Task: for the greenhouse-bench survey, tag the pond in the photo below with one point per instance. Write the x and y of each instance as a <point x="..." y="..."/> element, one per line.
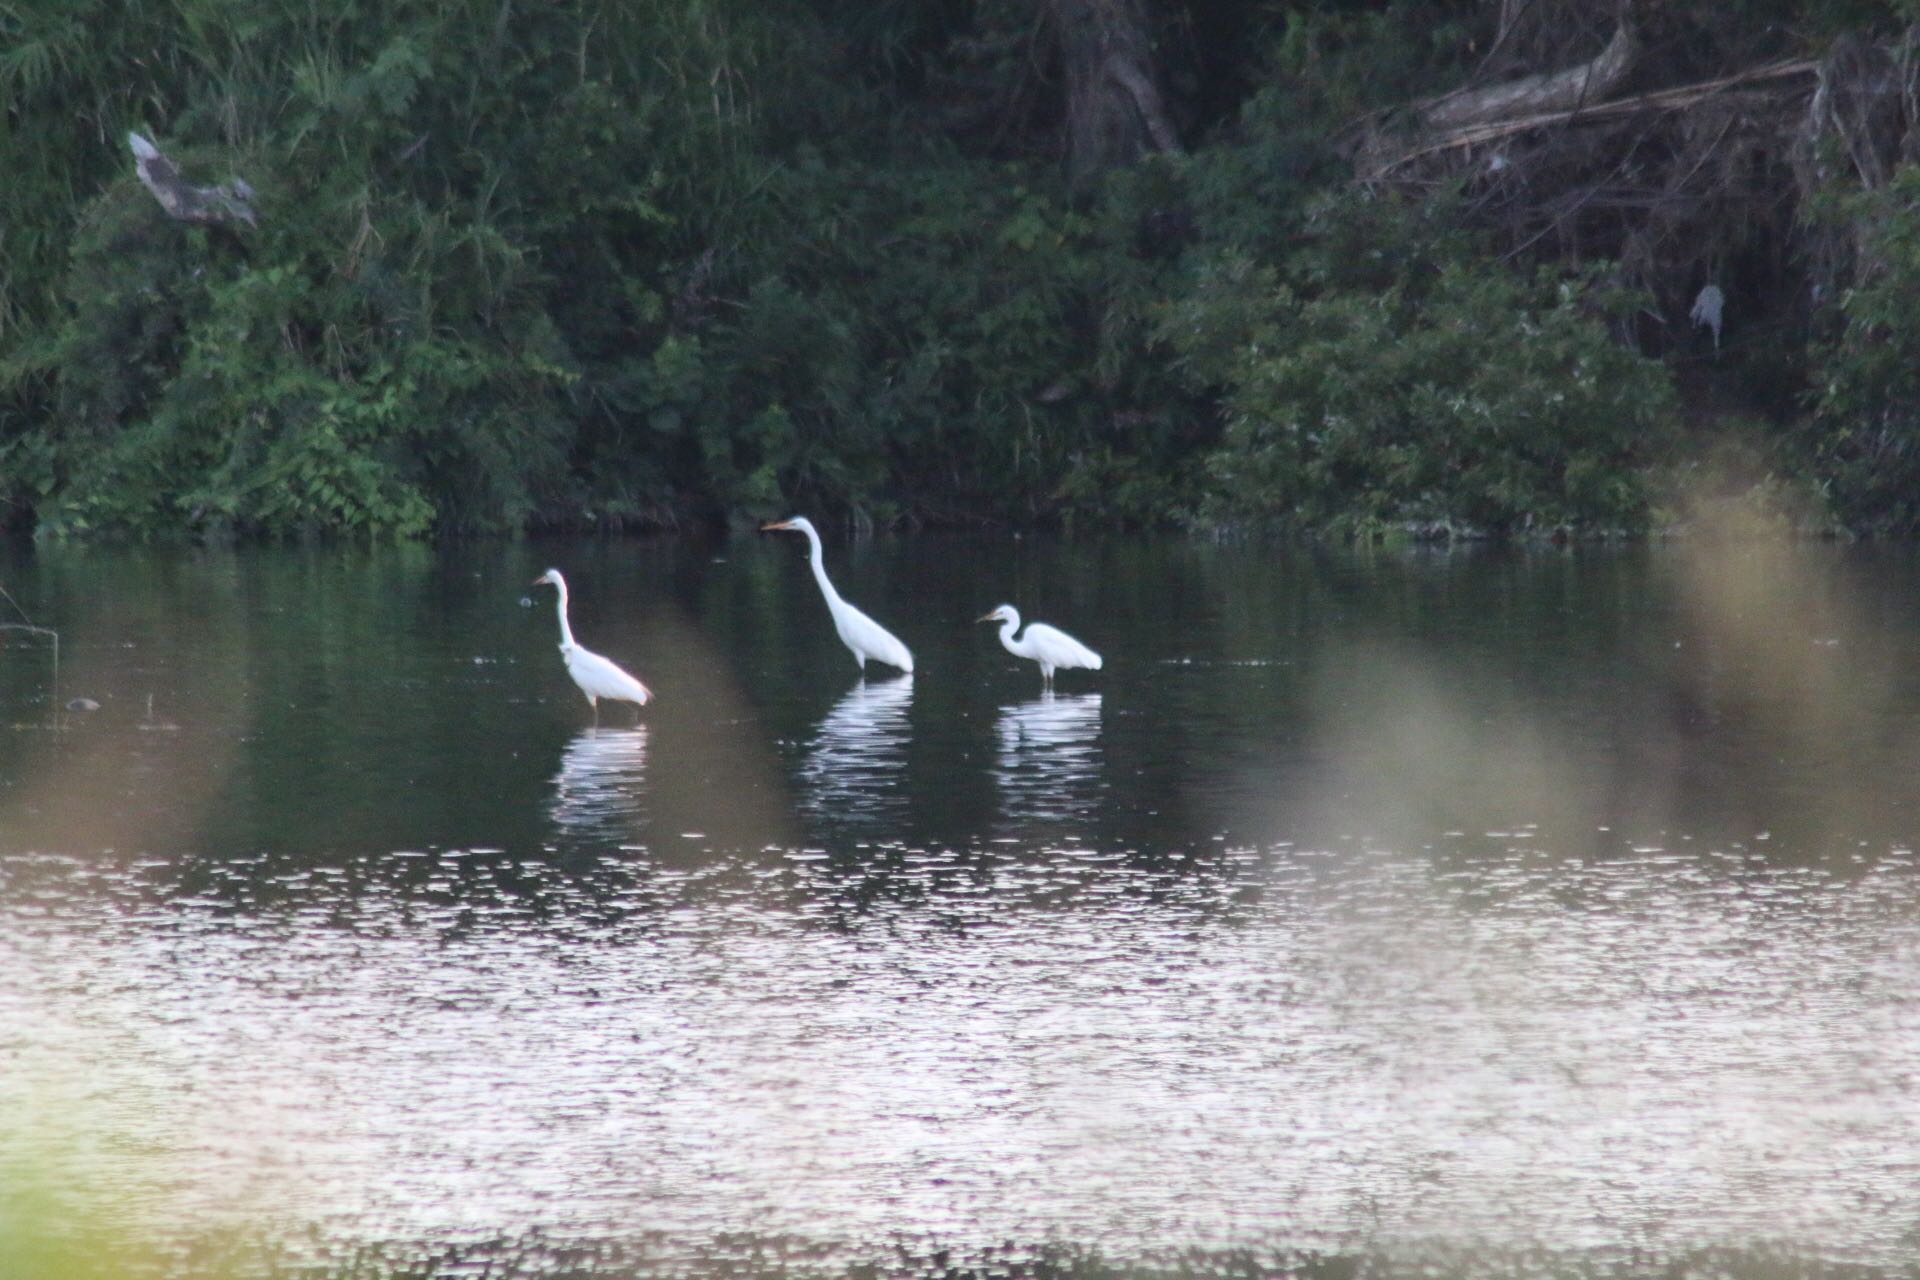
<point x="1515" y="910"/>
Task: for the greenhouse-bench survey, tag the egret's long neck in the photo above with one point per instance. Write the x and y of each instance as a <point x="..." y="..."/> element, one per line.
<point x="820" y="566"/>
<point x="1007" y="627"/>
<point x="560" y="606"/>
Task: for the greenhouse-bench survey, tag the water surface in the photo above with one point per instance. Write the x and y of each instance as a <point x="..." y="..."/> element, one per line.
<point x="1518" y="909"/>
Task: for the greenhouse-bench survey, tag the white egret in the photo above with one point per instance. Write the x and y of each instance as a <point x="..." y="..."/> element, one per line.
<point x="1049" y="646"/>
<point x="867" y="638"/>
<point x="597" y="677"/>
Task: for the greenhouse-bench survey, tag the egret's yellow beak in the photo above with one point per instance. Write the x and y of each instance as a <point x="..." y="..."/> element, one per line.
<point x="538" y="581"/>
<point x="777" y="524"/>
<point x="991" y="617"/>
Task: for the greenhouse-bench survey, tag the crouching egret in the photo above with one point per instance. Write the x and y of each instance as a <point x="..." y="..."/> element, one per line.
<point x="1049" y="646"/>
<point x="597" y="677"/>
<point x="867" y="638"/>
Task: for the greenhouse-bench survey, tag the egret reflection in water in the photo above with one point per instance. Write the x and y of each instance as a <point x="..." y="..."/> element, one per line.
<point x="1049" y="765"/>
<point x="600" y="790"/>
<point x="857" y="761"/>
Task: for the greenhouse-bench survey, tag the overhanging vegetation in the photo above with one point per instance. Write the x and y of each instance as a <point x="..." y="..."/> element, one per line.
<point x="1352" y="267"/>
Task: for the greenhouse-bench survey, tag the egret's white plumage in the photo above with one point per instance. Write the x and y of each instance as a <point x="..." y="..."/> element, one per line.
<point x="867" y="638"/>
<point x="597" y="676"/>
<point x="1049" y="646"/>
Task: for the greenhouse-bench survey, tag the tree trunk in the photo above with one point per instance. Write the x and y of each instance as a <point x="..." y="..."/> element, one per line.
<point x="1115" y="113"/>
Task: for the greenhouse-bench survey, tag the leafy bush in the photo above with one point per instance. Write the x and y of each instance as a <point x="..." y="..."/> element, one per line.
<point x="986" y="362"/>
<point x="581" y="264"/>
<point x="1865" y="437"/>
<point x="1388" y="374"/>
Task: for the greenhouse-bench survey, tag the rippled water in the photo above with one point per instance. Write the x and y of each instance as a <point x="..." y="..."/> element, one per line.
<point x="1485" y="911"/>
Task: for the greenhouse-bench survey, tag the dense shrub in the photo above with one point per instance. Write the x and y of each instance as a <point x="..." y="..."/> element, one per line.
<point x="592" y="264"/>
<point x="1865" y="434"/>
<point x="467" y="226"/>
<point x="1385" y="374"/>
<point x="221" y="393"/>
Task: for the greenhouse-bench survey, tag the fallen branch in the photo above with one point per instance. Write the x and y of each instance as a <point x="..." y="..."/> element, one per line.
<point x="1659" y="100"/>
<point x="1567" y="89"/>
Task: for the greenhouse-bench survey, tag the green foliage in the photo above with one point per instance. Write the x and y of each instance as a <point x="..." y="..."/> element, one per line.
<point x="391" y="351"/>
<point x="1387" y="374"/>
<point x="987" y="356"/>
<point x="588" y="263"/>
<point x="1865" y="437"/>
<point x="362" y="364"/>
<point x="985" y="362"/>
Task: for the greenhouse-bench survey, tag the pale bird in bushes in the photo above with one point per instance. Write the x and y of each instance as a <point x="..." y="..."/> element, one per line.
<point x="208" y="205"/>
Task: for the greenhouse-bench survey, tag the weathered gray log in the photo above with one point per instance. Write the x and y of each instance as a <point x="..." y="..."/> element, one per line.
<point x="221" y="205"/>
<point x="1679" y="98"/>
<point x="1552" y="91"/>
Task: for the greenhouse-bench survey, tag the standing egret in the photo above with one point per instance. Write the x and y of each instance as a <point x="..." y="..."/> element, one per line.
<point x="1048" y="646"/>
<point x="867" y="638"/>
<point x="597" y="677"/>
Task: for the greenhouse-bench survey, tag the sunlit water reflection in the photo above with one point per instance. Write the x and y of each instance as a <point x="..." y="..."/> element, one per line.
<point x="598" y="793"/>
<point x="1048" y="768"/>
<point x="1479" y="914"/>
<point x="854" y="775"/>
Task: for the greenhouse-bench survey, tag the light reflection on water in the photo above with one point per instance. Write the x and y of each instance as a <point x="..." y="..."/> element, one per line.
<point x="1406" y="913"/>
<point x="854" y="775"/>
<point x="1049" y="767"/>
<point x="1321" y="1051"/>
<point x="599" y="792"/>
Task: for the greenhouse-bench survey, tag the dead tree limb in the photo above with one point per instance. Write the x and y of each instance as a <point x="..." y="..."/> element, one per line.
<point x="1660" y="100"/>
<point x="1563" y="90"/>
<point x="1862" y="100"/>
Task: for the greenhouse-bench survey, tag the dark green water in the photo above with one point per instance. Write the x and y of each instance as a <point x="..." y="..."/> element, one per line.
<point x="1394" y="911"/>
